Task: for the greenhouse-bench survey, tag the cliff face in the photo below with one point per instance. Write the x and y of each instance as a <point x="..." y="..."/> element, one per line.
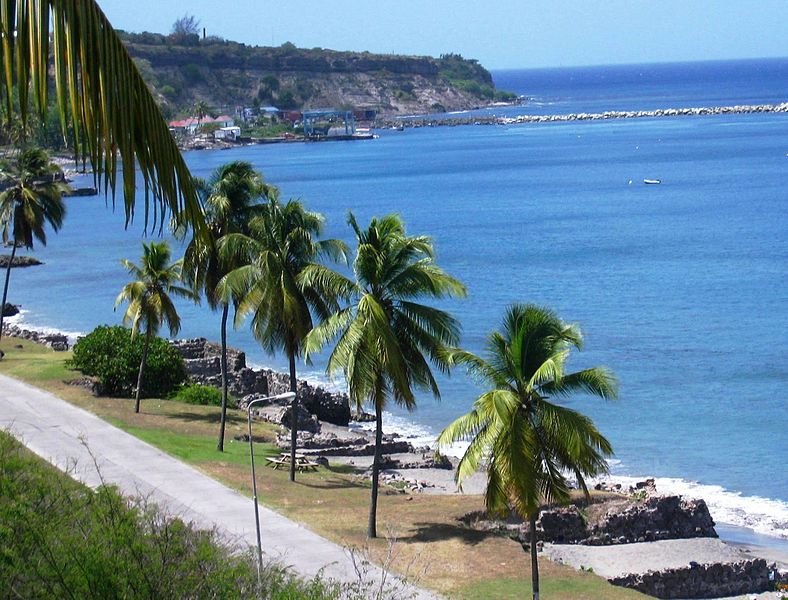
<point x="228" y="74"/>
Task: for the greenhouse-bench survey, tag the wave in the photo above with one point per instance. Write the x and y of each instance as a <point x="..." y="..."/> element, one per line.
<point x="21" y="320"/>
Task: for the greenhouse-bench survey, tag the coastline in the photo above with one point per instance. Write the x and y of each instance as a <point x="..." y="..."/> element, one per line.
<point x="744" y="526"/>
<point x="609" y="561"/>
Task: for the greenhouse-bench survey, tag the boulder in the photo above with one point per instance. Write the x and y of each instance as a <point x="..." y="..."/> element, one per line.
<point x="19" y="261"/>
<point x="306" y="421"/>
<point x="654" y="518"/>
<point x="9" y="310"/>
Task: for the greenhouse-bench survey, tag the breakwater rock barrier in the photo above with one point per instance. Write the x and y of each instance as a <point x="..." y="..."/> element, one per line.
<point x="433" y="121"/>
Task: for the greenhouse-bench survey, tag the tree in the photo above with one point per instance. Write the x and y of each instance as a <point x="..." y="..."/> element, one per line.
<point x="528" y="442"/>
<point x="186" y="25"/>
<point x="284" y="286"/>
<point x="33" y="199"/>
<point x="148" y="295"/>
<point x="385" y="339"/>
<point x="200" y="111"/>
<point x="231" y="197"/>
<point x="100" y="93"/>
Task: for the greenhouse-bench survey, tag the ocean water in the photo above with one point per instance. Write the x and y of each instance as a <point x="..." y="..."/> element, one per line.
<point x="680" y="288"/>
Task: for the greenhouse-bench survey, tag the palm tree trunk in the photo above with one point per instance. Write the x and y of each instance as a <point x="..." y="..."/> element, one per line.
<point x="5" y="287"/>
<point x="293" y="416"/>
<point x="534" y="558"/>
<point x="223" y="417"/>
<point x="142" y="369"/>
<point x="372" y="528"/>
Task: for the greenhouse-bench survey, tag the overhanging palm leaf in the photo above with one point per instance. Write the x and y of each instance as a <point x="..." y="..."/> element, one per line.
<point x="529" y="444"/>
<point x="101" y="94"/>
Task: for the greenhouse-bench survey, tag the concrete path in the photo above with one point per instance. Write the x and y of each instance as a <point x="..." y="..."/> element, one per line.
<point x="84" y="445"/>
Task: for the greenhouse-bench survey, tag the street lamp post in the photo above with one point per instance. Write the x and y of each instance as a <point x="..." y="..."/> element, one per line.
<point x="286" y="396"/>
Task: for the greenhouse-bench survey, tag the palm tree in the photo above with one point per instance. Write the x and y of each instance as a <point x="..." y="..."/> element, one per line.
<point x="230" y="202"/>
<point x="200" y="111"/>
<point x="387" y="340"/>
<point x="150" y="304"/>
<point x="529" y="443"/>
<point x="32" y="201"/>
<point x="100" y="93"/>
<point x="284" y="286"/>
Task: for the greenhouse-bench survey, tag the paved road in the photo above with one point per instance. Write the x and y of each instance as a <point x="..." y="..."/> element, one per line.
<point x="78" y="442"/>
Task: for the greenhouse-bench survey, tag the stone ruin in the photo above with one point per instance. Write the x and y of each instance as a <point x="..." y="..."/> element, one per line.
<point x="203" y="364"/>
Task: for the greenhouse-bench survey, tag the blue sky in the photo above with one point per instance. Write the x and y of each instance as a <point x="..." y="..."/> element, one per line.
<point x="499" y="33"/>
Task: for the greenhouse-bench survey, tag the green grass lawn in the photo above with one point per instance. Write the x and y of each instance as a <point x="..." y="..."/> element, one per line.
<point x="460" y="563"/>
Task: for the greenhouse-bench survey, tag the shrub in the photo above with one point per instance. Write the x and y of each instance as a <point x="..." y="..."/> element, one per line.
<point x="194" y="393"/>
<point x="112" y="355"/>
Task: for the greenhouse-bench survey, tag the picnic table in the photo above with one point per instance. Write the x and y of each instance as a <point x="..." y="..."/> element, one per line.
<point x="302" y="462"/>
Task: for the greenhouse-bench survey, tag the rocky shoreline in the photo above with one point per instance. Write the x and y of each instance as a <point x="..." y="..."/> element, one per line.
<point x="663" y="545"/>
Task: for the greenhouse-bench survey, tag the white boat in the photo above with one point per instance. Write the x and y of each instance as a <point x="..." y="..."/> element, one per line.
<point x="652" y="181"/>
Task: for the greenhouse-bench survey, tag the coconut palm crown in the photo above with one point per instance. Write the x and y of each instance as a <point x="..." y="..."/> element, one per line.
<point x="528" y="443"/>
<point x="285" y="287"/>
<point x="386" y="339"/>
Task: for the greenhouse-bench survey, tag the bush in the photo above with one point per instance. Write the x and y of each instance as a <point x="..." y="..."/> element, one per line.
<point x="111" y="354"/>
<point x="194" y="393"/>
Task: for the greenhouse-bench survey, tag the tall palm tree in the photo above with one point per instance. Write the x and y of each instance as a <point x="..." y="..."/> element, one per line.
<point x="28" y="204"/>
<point x="528" y="442"/>
<point x="285" y="287"/>
<point x="231" y="199"/>
<point x="100" y="93"/>
<point x="386" y="340"/>
<point x="150" y="304"/>
<point x="200" y="111"/>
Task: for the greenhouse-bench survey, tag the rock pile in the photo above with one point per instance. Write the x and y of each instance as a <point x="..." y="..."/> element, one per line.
<point x="615" y="521"/>
<point x="202" y="360"/>
<point x="703" y="581"/>
<point x="655" y="518"/>
<point x="19" y="261"/>
<point x="57" y="341"/>
<point x="9" y="310"/>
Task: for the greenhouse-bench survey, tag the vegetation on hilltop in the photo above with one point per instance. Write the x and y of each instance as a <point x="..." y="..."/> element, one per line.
<point x="184" y="68"/>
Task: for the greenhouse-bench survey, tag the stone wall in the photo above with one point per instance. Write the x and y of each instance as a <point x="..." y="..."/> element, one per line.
<point x="702" y="581"/>
<point x="202" y="360"/>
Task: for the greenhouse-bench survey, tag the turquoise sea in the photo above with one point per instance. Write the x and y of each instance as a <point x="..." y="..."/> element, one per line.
<point x="681" y="288"/>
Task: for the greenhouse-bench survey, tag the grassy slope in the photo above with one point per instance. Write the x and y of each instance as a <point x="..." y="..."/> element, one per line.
<point x="460" y="563"/>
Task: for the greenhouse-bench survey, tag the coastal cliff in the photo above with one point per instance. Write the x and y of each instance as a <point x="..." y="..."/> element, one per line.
<point x="224" y="73"/>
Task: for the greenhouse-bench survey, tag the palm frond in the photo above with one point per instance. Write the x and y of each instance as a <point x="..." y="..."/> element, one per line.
<point x="101" y="93"/>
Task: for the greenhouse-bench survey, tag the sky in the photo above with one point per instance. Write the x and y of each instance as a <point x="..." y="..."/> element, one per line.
<point x="501" y="34"/>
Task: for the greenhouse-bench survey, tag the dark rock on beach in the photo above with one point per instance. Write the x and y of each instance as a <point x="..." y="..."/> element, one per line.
<point x="19" y="261"/>
<point x="9" y="310"/>
<point x="56" y="341"/>
<point x="713" y="580"/>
